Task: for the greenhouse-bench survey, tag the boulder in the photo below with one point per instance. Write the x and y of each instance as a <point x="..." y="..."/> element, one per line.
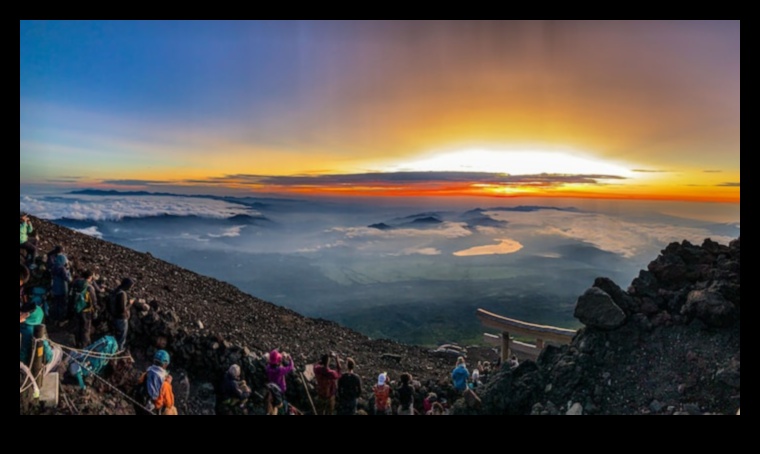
<point x="596" y="309"/>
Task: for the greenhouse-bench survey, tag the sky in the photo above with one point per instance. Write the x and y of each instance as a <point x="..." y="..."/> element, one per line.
<point x="643" y="110"/>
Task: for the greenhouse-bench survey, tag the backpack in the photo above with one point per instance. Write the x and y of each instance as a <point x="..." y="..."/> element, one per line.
<point x="112" y="305"/>
<point x="81" y="296"/>
<point x="382" y="394"/>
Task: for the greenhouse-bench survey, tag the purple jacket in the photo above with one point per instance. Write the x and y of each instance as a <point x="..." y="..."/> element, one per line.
<point x="276" y="374"/>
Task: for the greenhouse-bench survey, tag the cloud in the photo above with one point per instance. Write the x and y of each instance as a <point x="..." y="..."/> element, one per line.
<point x="91" y="231"/>
<point x="505" y="246"/>
<point x="712" y="171"/>
<point x="135" y="182"/>
<point x="116" y="208"/>
<point x="729" y="184"/>
<point x="606" y="232"/>
<point x="417" y="251"/>
<point x="649" y="171"/>
<point x="444" y="230"/>
<point x="339" y="243"/>
<point x="228" y="233"/>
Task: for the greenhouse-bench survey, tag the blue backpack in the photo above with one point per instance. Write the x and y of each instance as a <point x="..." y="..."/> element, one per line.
<point x="85" y="363"/>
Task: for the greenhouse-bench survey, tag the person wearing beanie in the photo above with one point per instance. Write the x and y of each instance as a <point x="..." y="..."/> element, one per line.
<point x="157" y="384"/>
<point x="382" y="392"/>
<point x="235" y="389"/>
<point x="277" y="371"/>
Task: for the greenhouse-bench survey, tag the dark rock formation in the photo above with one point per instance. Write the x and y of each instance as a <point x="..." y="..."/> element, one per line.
<point x="596" y="308"/>
<point x="677" y="353"/>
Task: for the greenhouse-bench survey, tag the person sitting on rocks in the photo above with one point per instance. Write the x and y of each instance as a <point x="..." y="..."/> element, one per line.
<point x="234" y="389"/>
<point x="460" y="375"/>
<point x="327" y="383"/>
<point x="405" y="395"/>
<point x="157" y="384"/>
<point x="382" y="394"/>
<point x="349" y="390"/>
<point x="276" y="372"/>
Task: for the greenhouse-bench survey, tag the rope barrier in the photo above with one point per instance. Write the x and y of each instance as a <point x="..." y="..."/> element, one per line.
<point x="92" y="354"/>
<point x="111" y="386"/>
<point x="29" y="376"/>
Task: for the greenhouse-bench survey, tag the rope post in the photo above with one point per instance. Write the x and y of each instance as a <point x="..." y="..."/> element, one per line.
<point x="306" y="388"/>
<point x="38" y="356"/>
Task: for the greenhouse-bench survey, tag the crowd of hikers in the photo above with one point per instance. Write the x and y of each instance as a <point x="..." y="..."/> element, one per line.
<point x="52" y="291"/>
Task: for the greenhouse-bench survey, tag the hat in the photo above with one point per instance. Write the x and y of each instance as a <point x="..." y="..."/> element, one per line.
<point x="161" y="356"/>
<point x="275" y="357"/>
<point x="127" y="283"/>
<point x="381" y="379"/>
<point x="234" y="370"/>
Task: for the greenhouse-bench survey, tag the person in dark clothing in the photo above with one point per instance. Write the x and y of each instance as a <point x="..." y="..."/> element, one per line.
<point x="120" y="308"/>
<point x="60" y="288"/>
<point x="24" y="277"/>
<point x="349" y="390"/>
<point x="406" y="395"/>
<point x="326" y="384"/>
<point x="84" y="315"/>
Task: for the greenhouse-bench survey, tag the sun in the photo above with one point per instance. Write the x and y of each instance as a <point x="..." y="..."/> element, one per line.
<point x="512" y="162"/>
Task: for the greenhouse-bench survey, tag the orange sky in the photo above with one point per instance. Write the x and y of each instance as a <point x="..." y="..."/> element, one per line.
<point x="629" y="110"/>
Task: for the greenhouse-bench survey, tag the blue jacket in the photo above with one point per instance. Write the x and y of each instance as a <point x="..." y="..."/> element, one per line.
<point x="459" y="375"/>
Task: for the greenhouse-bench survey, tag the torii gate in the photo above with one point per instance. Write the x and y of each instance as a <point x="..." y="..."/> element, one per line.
<point x="507" y="326"/>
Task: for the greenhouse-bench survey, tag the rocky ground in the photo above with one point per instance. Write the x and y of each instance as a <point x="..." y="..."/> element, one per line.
<point x="669" y="344"/>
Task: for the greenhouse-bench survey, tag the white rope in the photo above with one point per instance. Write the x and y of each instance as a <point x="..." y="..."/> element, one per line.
<point x="92" y="354"/>
<point x="29" y="376"/>
<point x="110" y="385"/>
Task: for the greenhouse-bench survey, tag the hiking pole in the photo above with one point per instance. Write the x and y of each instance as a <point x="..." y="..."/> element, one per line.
<point x="303" y="380"/>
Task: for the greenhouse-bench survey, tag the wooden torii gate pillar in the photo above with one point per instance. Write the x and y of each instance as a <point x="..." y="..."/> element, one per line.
<point x="507" y="326"/>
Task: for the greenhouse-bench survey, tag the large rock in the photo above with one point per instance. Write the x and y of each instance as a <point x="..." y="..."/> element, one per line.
<point x="596" y="309"/>
<point x="710" y="307"/>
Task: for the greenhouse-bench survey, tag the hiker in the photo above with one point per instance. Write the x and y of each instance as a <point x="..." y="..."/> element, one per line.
<point x="27" y="245"/>
<point x="427" y="402"/>
<point x="475" y="382"/>
<point x="460" y="375"/>
<point x="513" y="362"/>
<point x="273" y="400"/>
<point x="60" y="288"/>
<point x="326" y="384"/>
<point x="382" y="394"/>
<point x="31" y="316"/>
<point x="24" y="276"/>
<point x="84" y="301"/>
<point x="349" y="390"/>
<point x="235" y="390"/>
<point x="276" y="372"/>
<point x="119" y="306"/>
<point x="156" y="384"/>
<point x="438" y="409"/>
<point x="405" y="395"/>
